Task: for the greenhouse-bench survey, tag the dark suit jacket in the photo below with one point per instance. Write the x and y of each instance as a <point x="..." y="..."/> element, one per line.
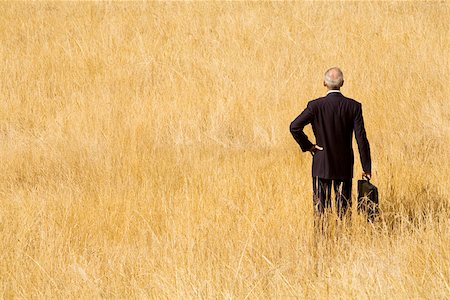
<point x="333" y="119"/>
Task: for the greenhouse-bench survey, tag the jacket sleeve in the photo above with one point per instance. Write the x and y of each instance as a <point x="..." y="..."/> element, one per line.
<point x="361" y="139"/>
<point x="297" y="126"/>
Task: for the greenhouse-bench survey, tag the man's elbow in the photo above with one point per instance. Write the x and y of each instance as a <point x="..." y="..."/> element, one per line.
<point x="293" y="128"/>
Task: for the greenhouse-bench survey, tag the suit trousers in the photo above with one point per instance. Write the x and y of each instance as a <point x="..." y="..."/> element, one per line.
<point x="322" y="195"/>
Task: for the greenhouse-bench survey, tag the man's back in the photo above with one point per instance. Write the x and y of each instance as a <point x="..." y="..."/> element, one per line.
<point x="333" y="119"/>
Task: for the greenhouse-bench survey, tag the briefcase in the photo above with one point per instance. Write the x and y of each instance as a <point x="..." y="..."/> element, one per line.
<point x="368" y="199"/>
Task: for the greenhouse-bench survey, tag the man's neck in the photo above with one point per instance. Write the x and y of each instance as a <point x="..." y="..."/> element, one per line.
<point x="333" y="91"/>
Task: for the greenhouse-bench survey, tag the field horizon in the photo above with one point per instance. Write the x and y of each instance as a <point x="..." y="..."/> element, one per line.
<point x="146" y="150"/>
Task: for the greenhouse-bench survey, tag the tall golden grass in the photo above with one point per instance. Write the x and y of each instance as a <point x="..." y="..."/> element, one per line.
<point x="145" y="150"/>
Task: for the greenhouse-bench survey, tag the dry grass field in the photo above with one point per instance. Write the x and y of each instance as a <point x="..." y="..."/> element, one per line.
<point x="145" y="150"/>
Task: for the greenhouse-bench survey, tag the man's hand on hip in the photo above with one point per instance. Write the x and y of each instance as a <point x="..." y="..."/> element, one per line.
<point x="314" y="149"/>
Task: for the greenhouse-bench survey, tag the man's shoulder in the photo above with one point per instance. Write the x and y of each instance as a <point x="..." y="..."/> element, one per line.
<point x="316" y="101"/>
<point x="352" y="101"/>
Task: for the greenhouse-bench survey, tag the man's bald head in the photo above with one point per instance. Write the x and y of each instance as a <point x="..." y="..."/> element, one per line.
<point x="333" y="78"/>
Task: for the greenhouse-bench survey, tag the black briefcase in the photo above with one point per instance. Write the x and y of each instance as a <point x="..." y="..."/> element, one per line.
<point x="368" y="199"/>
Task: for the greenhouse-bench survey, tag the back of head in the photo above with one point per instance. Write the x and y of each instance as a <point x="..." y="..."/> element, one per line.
<point x="334" y="78"/>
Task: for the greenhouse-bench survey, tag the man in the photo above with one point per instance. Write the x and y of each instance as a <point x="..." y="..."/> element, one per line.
<point x="333" y="119"/>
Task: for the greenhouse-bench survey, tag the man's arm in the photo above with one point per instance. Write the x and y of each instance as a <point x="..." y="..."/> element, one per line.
<point x="297" y="126"/>
<point x="363" y="143"/>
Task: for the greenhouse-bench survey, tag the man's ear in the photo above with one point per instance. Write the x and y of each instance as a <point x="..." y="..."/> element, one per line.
<point x="342" y="83"/>
<point x="324" y="83"/>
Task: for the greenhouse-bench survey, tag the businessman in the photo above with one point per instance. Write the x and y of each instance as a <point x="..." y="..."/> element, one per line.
<point x="334" y="118"/>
